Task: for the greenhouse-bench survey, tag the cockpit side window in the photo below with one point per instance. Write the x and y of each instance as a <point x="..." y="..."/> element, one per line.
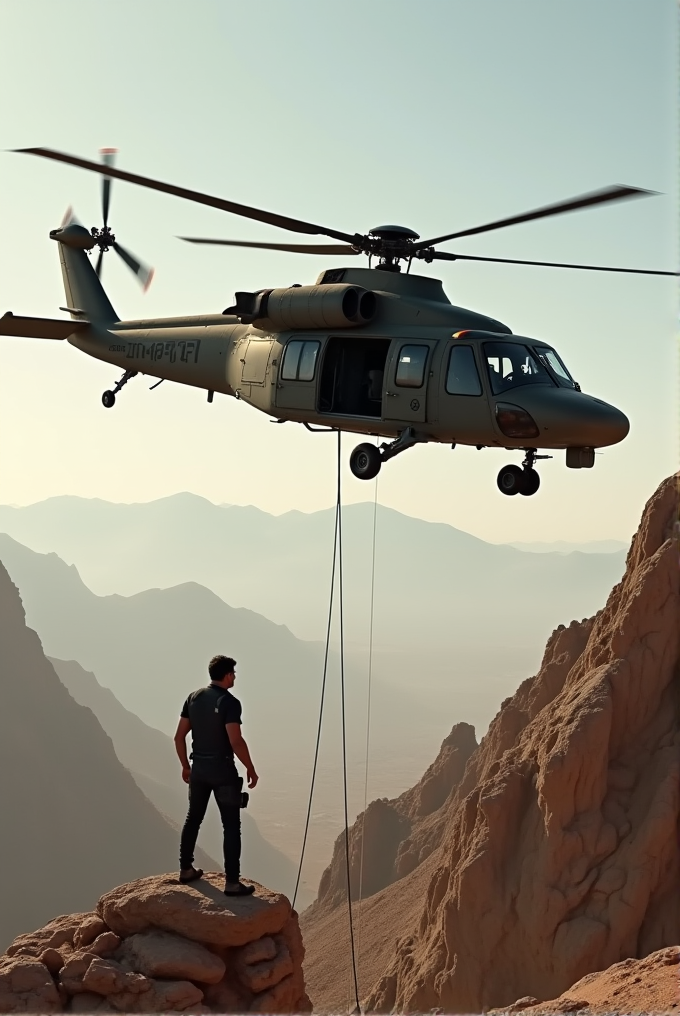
<point x="462" y="377"/>
<point x="511" y="365"/>
<point x="549" y="356"/>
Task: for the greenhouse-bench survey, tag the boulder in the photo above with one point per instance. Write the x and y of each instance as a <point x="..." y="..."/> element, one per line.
<point x="199" y="911"/>
<point x="72" y="973"/>
<point x="107" y="977"/>
<point x="163" y="954"/>
<point x="105" y="944"/>
<point x="26" y="985"/>
<point x="257" y="977"/>
<point x="88" y="930"/>
<point x="53" y="960"/>
<point x="59" y="932"/>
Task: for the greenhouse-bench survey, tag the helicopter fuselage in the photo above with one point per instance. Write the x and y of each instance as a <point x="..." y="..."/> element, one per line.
<point x="419" y="363"/>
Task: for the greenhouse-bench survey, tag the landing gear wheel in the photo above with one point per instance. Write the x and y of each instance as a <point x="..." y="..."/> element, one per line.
<point x="365" y="461"/>
<point x="108" y="400"/>
<point x="511" y="480"/>
<point x="531" y="481"/>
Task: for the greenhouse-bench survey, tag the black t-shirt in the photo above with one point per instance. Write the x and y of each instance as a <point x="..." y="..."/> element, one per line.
<point x="208" y="710"/>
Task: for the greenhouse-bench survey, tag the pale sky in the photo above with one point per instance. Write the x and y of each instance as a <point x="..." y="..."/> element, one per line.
<point x="438" y="115"/>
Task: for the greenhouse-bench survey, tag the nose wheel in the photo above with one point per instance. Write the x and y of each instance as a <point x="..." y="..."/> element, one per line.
<point x="525" y="480"/>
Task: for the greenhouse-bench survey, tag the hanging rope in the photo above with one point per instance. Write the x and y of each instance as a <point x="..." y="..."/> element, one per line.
<point x="336" y="568"/>
<point x="344" y="731"/>
<point x="368" y="721"/>
<point x="322" y="698"/>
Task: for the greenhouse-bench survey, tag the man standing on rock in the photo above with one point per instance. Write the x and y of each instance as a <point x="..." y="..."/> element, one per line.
<point x="213" y="715"/>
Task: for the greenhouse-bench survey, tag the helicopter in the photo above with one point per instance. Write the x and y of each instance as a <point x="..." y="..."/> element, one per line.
<point x="370" y="351"/>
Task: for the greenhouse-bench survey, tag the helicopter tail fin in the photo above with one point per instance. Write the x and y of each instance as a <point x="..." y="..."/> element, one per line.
<point x="86" y="298"/>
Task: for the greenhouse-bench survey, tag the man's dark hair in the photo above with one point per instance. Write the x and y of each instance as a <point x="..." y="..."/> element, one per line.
<point x="220" y="666"/>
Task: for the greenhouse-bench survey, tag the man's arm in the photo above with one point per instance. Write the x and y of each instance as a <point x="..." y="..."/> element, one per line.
<point x="241" y="751"/>
<point x="183" y="728"/>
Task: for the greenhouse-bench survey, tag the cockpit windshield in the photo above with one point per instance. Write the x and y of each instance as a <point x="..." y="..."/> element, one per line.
<point x="549" y="356"/>
<point x="510" y="365"/>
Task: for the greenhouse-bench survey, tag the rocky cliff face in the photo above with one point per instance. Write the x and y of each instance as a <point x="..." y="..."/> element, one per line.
<point x="396" y="836"/>
<point x="156" y="946"/>
<point x="73" y="819"/>
<point x="558" y="853"/>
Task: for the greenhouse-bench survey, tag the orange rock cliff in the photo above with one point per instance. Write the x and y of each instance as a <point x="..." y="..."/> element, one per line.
<point x="555" y="852"/>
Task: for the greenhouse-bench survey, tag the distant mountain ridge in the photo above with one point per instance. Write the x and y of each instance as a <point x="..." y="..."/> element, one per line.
<point x="438" y="591"/>
<point x="75" y="824"/>
<point x="564" y="547"/>
<point x="151" y="649"/>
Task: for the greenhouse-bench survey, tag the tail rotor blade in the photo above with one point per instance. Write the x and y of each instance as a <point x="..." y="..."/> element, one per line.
<point x="67" y="217"/>
<point x="143" y="272"/>
<point x="98" y="266"/>
<point x="108" y="156"/>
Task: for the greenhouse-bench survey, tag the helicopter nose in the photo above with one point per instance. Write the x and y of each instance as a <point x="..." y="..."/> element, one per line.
<point x="608" y="424"/>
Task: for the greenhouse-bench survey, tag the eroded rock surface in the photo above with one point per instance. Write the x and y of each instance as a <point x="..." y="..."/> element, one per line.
<point x="156" y="946"/>
<point x="561" y="849"/>
<point x="396" y="836"/>
<point x="554" y="853"/>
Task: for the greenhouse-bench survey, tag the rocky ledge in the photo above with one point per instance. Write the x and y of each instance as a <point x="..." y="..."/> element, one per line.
<point x="649" y="986"/>
<point x="157" y="946"/>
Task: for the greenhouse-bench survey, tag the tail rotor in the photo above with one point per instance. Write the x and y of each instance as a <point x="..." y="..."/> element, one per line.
<point x="105" y="239"/>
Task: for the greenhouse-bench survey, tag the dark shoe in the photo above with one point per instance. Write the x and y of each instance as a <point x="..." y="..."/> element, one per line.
<point x="196" y="873"/>
<point x="243" y="890"/>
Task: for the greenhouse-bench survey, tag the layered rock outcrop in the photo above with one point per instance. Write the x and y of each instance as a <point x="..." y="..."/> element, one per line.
<point x="157" y="946"/>
<point x="558" y="851"/>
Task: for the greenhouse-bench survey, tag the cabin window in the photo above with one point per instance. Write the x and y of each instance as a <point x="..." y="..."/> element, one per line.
<point x="511" y="365"/>
<point x="411" y="366"/>
<point x="462" y="377"/>
<point x="299" y="361"/>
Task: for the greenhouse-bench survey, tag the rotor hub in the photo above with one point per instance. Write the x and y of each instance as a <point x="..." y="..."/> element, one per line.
<point x="103" y="238"/>
<point x="391" y="244"/>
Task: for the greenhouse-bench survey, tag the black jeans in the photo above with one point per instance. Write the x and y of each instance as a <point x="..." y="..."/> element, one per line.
<point x="213" y="776"/>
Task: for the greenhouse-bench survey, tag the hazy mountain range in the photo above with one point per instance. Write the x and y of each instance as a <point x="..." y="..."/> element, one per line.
<point x="446" y="603"/>
<point x="457" y="623"/>
<point x="74" y="822"/>
<point x="151" y="649"/>
<point x="563" y="547"/>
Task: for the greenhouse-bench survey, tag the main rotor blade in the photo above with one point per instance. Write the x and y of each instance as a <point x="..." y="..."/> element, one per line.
<point x="98" y="266"/>
<point x="443" y="256"/>
<point x="294" y="248"/>
<point x="283" y="221"/>
<point x="107" y="155"/>
<point x="143" y="272"/>
<point x="600" y="197"/>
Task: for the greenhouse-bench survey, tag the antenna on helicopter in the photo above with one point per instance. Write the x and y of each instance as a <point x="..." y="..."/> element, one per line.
<point x="104" y="238"/>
